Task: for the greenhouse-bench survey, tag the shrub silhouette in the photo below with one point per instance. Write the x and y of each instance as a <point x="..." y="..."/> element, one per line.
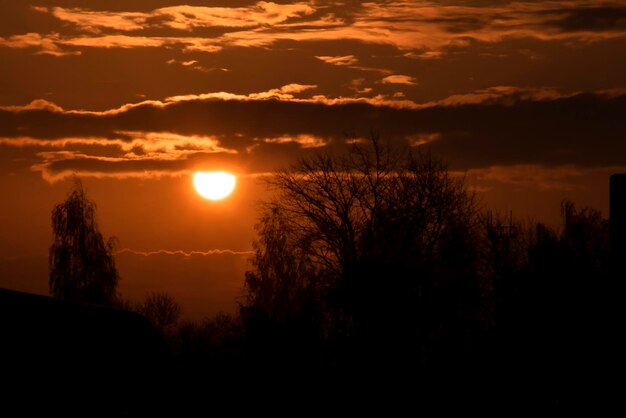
<point x="161" y="310"/>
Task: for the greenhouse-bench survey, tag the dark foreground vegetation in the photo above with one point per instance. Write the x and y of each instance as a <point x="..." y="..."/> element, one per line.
<point x="379" y="285"/>
<point x="379" y="282"/>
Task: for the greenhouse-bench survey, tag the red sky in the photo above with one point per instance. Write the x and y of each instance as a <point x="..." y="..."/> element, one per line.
<point x="526" y="98"/>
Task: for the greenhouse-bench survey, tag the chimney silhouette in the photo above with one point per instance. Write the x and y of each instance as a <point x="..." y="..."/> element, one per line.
<point x="617" y="218"/>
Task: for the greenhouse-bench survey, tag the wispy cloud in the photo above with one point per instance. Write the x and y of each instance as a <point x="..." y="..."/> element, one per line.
<point x="185" y="253"/>
<point x="338" y="60"/>
<point x="285" y="92"/>
<point x="54" y="44"/>
<point x="502" y="95"/>
<point x="426" y="55"/>
<point x="194" y="65"/>
<point x="399" y="79"/>
<point x="262" y="13"/>
<point x="95" y="21"/>
<point x="127" y="41"/>
<point x="181" y="17"/>
<point x="424" y="29"/>
<point x="306" y="141"/>
<point x="44" y="44"/>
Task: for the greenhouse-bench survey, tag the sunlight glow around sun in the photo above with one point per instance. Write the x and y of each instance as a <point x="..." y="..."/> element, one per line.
<point x="214" y="185"/>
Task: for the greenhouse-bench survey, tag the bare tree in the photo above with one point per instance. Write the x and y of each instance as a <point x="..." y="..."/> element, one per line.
<point x="162" y="310"/>
<point x="81" y="263"/>
<point x="377" y="226"/>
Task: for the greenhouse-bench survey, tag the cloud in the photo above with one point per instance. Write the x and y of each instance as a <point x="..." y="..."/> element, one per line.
<point x="46" y="45"/>
<point x="57" y="166"/>
<point x="183" y="17"/>
<point x="262" y="13"/>
<point x="139" y="154"/>
<point x="183" y="63"/>
<point x="125" y="41"/>
<point x="339" y="60"/>
<point x="259" y="132"/>
<point x="350" y="61"/>
<point x="501" y="95"/>
<point x="285" y="92"/>
<point x="305" y="141"/>
<point x="425" y="26"/>
<point x="562" y="177"/>
<point x="591" y="17"/>
<point x="424" y="30"/>
<point x="95" y="21"/>
<point x="37" y="104"/>
<point x="420" y="139"/>
<point x="296" y="88"/>
<point x="194" y="65"/>
<point x="427" y="55"/>
<point x="52" y="44"/>
<point x="357" y="85"/>
<point x="187" y="253"/>
<point x="399" y="79"/>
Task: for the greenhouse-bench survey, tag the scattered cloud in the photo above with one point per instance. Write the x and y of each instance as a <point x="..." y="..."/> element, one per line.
<point x="305" y="141"/>
<point x="96" y="21"/>
<point x="426" y="55"/>
<point x="181" y="17"/>
<point x="262" y="13"/>
<point x="37" y="104"/>
<point x="420" y="139"/>
<point x="54" y="44"/>
<point x="45" y="45"/>
<point x="194" y="65"/>
<point x="358" y="85"/>
<point x="285" y="92"/>
<point x="399" y="79"/>
<point x="423" y="29"/>
<point x="501" y="95"/>
<point x="124" y="41"/>
<point x="339" y="60"/>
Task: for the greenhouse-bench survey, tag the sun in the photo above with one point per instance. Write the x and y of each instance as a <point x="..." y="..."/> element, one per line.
<point x="214" y="185"/>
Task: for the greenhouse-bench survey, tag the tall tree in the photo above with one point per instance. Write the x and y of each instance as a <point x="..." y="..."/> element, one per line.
<point x="81" y="262"/>
<point x="376" y="244"/>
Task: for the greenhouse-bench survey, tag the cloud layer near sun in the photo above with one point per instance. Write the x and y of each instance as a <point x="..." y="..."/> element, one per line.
<point x="260" y="132"/>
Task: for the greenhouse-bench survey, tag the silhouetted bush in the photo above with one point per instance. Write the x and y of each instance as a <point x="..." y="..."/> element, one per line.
<point x="161" y="310"/>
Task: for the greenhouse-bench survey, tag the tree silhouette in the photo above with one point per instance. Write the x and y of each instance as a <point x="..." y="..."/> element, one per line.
<point x="162" y="310"/>
<point x="81" y="263"/>
<point x="374" y="247"/>
<point x="558" y="315"/>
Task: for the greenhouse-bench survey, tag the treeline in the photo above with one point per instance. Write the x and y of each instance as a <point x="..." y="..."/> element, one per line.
<point x="377" y="275"/>
<point x="378" y="270"/>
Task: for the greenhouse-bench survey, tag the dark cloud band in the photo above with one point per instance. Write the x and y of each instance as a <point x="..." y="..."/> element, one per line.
<point x="503" y="127"/>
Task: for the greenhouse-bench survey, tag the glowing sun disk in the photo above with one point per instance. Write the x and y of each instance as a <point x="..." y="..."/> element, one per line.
<point x="214" y="185"/>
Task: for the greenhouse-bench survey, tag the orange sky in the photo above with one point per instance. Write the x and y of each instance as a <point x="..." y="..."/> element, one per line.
<point x="526" y="98"/>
